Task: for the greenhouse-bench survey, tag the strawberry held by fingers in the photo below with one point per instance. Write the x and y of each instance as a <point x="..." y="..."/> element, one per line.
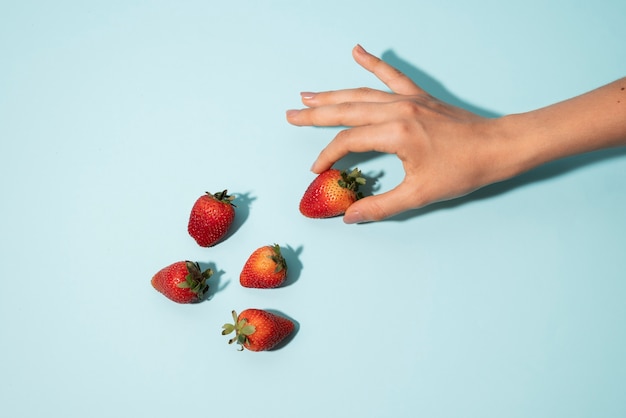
<point x="258" y="330"/>
<point x="331" y="193"/>
<point x="211" y="217"/>
<point x="182" y="282"/>
<point x="266" y="268"/>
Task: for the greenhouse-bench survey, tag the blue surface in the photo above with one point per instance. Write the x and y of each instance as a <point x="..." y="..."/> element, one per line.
<point x="115" y="116"/>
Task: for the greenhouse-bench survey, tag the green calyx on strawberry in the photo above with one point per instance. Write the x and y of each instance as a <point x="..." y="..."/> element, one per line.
<point x="182" y="282"/>
<point x="242" y="330"/>
<point x="352" y="181"/>
<point x="331" y="193"/>
<point x="211" y="217"/>
<point x="257" y="329"/>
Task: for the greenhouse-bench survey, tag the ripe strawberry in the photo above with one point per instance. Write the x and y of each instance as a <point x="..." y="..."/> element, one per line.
<point x="211" y="217"/>
<point x="266" y="268"/>
<point x="331" y="193"/>
<point x="258" y="330"/>
<point x="182" y="282"/>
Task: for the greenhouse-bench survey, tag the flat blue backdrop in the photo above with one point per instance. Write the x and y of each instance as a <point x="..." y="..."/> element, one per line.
<point x="116" y="115"/>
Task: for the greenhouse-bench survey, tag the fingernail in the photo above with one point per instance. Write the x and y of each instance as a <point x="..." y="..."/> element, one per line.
<point x="359" y="48"/>
<point x="315" y="168"/>
<point x="292" y="112"/>
<point x="353" y="217"/>
<point x="307" y="95"/>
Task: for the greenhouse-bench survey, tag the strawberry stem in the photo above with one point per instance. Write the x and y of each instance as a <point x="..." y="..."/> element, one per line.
<point x="352" y="180"/>
<point x="223" y="197"/>
<point x="195" y="280"/>
<point x="242" y="330"/>
<point x="277" y="257"/>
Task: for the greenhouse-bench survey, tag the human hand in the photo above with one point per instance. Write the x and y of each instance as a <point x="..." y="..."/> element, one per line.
<point x="445" y="151"/>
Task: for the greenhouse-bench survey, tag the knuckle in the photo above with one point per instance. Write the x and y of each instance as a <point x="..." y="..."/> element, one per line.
<point x="404" y="128"/>
<point x="343" y="135"/>
<point x="398" y="72"/>
<point x="317" y="116"/>
<point x="409" y="108"/>
<point x="364" y="92"/>
<point x="345" y="107"/>
<point x="344" y="111"/>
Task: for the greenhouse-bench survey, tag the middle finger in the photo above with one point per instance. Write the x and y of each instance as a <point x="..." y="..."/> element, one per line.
<point x="343" y="114"/>
<point x="362" y="94"/>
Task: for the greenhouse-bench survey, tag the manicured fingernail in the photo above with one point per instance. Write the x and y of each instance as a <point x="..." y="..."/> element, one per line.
<point x="314" y="168"/>
<point x="353" y="217"/>
<point x="292" y="112"/>
<point x="307" y="95"/>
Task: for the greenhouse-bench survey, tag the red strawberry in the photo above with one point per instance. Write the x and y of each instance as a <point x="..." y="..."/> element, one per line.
<point x="258" y="330"/>
<point x="331" y="193"/>
<point x="211" y="217"/>
<point x="182" y="282"/>
<point x="266" y="268"/>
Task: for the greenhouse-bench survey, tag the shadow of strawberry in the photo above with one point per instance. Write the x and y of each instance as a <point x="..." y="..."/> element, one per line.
<point x="294" y="265"/>
<point x="216" y="281"/>
<point x="242" y="203"/>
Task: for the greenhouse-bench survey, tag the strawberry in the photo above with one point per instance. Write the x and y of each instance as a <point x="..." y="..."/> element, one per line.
<point x="258" y="330"/>
<point x="182" y="282"/>
<point x="266" y="268"/>
<point x="331" y="193"/>
<point x="211" y="217"/>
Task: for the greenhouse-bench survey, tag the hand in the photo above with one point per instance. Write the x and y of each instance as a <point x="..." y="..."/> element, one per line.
<point x="445" y="151"/>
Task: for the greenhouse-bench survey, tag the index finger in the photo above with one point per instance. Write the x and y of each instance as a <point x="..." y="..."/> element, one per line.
<point x="393" y="78"/>
<point x="360" y="139"/>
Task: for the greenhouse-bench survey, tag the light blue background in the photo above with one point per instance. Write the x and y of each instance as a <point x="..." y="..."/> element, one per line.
<point x="116" y="115"/>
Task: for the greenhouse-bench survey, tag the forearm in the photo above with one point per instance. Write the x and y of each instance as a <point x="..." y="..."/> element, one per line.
<point x="589" y="122"/>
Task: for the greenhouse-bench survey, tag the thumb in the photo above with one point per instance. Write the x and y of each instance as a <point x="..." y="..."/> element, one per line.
<point x="382" y="206"/>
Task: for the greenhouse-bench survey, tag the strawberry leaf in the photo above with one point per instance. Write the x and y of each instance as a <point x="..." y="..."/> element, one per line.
<point x="247" y="330"/>
<point x="241" y="340"/>
<point x="195" y="280"/>
<point x="228" y="328"/>
<point x="278" y="258"/>
<point x="223" y="197"/>
<point x="351" y="180"/>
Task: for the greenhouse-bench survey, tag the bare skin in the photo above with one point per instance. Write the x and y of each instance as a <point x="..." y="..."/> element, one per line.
<point x="446" y="151"/>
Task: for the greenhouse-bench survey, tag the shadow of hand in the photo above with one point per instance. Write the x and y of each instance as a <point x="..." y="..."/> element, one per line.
<point x="432" y="86"/>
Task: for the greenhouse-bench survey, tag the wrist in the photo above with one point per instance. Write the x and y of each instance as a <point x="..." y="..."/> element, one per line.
<point x="510" y="151"/>
<point x="525" y="141"/>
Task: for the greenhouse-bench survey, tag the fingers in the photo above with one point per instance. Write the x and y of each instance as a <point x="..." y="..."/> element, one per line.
<point x="362" y="94"/>
<point x="350" y="107"/>
<point x="392" y="77"/>
<point x="377" y="137"/>
<point x="354" y="107"/>
<point x="382" y="206"/>
<point x="341" y="114"/>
